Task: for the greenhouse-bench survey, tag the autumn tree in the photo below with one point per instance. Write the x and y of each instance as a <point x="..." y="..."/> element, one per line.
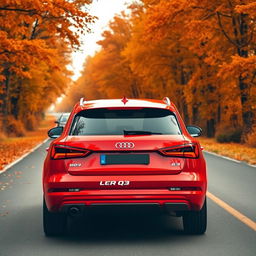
<point x="117" y="77"/>
<point x="108" y="73"/>
<point x="221" y="34"/>
<point x="200" y="53"/>
<point x="163" y="65"/>
<point x="35" y="40"/>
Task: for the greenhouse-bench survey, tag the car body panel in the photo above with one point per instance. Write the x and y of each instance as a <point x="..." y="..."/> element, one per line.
<point x="163" y="180"/>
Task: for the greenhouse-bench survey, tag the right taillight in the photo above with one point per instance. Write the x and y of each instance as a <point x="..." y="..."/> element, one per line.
<point x="185" y="150"/>
<point x="62" y="151"/>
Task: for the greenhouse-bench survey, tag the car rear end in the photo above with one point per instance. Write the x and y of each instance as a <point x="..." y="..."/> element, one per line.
<point x="138" y="155"/>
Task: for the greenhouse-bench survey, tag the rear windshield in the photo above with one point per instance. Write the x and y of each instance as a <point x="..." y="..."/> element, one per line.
<point x="129" y="121"/>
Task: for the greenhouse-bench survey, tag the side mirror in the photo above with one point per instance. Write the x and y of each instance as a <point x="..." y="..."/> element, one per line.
<point x="55" y="132"/>
<point x="194" y="131"/>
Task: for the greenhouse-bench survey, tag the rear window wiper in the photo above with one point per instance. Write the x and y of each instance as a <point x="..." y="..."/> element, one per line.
<point x="139" y="132"/>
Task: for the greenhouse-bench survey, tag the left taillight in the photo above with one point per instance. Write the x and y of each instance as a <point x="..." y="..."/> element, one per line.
<point x="62" y="152"/>
<point x="185" y="151"/>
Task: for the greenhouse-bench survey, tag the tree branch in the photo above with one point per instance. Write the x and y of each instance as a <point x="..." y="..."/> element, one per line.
<point x="230" y="4"/>
<point x="32" y="11"/>
<point x="248" y="41"/>
<point x="33" y="33"/>
<point x="225" y="15"/>
<point x="202" y="8"/>
<point x="224" y="32"/>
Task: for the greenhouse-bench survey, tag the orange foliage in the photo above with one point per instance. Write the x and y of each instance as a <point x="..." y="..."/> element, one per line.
<point x="36" y="38"/>
<point x="232" y="150"/>
<point x="200" y="53"/>
<point x="13" y="148"/>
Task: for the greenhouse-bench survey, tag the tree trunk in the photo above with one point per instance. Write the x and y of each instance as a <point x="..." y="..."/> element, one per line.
<point x="6" y="102"/>
<point x="247" y="111"/>
<point x="5" y="107"/>
<point x="135" y="89"/>
<point x="194" y="115"/>
<point x="210" y="128"/>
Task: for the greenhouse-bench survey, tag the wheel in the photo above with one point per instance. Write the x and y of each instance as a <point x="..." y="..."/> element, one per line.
<point x="195" y="222"/>
<point x="54" y="223"/>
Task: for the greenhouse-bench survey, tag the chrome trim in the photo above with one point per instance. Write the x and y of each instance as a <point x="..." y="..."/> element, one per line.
<point x="82" y="102"/>
<point x="167" y="101"/>
<point x="124" y="145"/>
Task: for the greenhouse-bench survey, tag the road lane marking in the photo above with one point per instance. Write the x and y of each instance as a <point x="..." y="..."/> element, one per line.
<point x="229" y="158"/>
<point x="224" y="157"/>
<point x="250" y="223"/>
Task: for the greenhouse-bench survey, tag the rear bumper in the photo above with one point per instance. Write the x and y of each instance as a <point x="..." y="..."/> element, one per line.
<point x="144" y="190"/>
<point x="75" y="210"/>
<point x="184" y="200"/>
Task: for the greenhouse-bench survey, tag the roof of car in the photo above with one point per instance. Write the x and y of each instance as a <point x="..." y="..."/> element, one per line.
<point x="124" y="102"/>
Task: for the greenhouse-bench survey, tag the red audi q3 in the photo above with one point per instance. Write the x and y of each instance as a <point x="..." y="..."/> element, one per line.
<point x="124" y="152"/>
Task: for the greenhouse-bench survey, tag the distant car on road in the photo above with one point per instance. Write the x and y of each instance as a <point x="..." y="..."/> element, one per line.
<point x="124" y="153"/>
<point x="62" y="120"/>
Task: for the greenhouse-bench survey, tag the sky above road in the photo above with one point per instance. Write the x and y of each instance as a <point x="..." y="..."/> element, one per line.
<point x="105" y="10"/>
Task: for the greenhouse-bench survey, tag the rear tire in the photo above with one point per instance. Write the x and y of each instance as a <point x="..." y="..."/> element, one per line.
<point x="195" y="222"/>
<point x="54" y="223"/>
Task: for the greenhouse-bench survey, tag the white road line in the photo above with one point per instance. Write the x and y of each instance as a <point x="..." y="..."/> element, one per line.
<point x="252" y="165"/>
<point x="22" y="157"/>
<point x="228" y="158"/>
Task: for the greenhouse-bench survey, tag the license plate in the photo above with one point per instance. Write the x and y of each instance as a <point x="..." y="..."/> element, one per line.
<point x="124" y="159"/>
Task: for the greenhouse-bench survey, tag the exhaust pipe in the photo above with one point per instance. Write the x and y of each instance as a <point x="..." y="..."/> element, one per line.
<point x="74" y="211"/>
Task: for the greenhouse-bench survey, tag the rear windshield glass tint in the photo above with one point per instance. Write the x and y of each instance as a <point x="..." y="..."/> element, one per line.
<point x="118" y="122"/>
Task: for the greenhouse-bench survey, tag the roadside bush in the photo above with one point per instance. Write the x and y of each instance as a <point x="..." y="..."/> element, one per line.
<point x="14" y="127"/>
<point x="250" y="139"/>
<point x="2" y="136"/>
<point x="229" y="135"/>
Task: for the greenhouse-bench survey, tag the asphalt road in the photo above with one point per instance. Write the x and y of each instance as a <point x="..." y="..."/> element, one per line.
<point x="127" y="234"/>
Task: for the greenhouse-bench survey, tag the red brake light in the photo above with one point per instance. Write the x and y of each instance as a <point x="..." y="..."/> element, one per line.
<point x="185" y="151"/>
<point x="62" y="151"/>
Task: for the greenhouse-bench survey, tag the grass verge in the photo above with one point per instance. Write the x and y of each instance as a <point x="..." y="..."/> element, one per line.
<point x="12" y="148"/>
<point x="233" y="150"/>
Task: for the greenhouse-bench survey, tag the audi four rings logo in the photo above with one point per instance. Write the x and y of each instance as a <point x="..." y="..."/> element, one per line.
<point x="124" y="145"/>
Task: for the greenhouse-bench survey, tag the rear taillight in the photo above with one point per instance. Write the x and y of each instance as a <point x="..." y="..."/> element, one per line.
<point x="186" y="151"/>
<point x="61" y="151"/>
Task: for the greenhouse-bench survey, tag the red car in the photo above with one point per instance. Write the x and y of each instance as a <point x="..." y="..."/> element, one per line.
<point x="124" y="152"/>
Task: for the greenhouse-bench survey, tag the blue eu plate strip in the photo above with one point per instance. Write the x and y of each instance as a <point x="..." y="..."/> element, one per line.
<point x="103" y="159"/>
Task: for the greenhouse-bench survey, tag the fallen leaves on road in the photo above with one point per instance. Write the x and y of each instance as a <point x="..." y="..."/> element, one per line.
<point x="13" y="148"/>
<point x="233" y="150"/>
<point x="3" y="211"/>
<point x="4" y="214"/>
